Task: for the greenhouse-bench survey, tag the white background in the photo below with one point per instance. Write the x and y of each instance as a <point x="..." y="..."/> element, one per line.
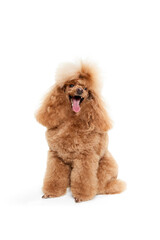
<point x="123" y="37"/>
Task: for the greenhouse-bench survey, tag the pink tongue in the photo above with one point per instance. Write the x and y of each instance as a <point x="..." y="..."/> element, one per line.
<point x="75" y="105"/>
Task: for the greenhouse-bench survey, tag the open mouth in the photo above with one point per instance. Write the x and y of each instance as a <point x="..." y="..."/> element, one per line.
<point x="76" y="102"/>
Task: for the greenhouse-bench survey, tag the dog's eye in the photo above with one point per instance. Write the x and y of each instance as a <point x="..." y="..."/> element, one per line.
<point x="85" y="88"/>
<point x="71" y="85"/>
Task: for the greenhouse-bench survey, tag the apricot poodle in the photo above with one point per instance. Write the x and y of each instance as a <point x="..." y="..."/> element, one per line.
<point x="77" y="125"/>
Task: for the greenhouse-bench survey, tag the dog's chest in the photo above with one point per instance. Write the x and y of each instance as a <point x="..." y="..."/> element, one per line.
<point x="68" y="141"/>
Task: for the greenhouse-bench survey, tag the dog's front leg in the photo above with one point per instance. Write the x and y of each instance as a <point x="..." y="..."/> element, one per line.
<point x="84" y="177"/>
<point x="56" y="178"/>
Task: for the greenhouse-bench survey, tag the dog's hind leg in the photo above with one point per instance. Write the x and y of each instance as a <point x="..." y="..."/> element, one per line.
<point x="107" y="176"/>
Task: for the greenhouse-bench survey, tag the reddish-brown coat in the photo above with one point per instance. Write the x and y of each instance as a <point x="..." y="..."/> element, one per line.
<point x="78" y="142"/>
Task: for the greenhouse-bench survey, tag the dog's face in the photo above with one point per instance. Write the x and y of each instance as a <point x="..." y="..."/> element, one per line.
<point x="75" y="96"/>
<point x="76" y="93"/>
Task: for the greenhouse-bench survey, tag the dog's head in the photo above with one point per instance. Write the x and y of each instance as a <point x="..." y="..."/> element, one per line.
<point x="75" y="95"/>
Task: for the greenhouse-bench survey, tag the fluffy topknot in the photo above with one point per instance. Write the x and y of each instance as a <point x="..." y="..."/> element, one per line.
<point x="79" y="70"/>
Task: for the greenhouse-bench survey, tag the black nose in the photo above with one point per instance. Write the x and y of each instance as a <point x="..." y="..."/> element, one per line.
<point x="79" y="91"/>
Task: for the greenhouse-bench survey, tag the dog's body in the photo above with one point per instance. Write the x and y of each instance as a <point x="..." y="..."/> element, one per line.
<point x="77" y="126"/>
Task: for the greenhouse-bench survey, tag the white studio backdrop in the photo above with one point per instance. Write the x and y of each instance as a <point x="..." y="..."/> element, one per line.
<point x="123" y="37"/>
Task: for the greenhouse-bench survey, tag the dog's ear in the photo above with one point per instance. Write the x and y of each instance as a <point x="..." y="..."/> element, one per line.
<point x="99" y="116"/>
<point x="51" y="113"/>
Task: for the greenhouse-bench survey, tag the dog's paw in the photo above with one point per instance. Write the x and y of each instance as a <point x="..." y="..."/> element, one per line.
<point x="79" y="199"/>
<point x="47" y="196"/>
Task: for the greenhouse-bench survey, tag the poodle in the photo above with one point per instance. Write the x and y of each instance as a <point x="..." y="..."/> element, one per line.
<point x="77" y="125"/>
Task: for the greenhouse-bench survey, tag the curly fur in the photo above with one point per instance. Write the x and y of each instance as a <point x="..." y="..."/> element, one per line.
<point x="78" y="156"/>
